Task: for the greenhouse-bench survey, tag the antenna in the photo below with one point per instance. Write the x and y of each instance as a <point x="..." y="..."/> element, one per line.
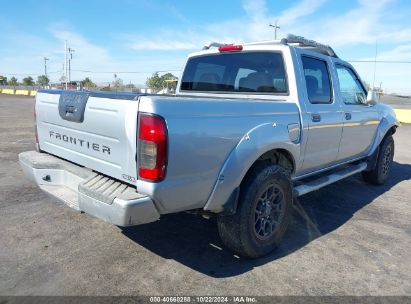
<point x="375" y="63"/>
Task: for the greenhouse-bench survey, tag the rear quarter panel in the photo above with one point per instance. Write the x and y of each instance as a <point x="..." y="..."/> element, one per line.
<point x="207" y="135"/>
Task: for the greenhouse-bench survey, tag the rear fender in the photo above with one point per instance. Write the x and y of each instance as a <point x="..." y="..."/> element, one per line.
<point x="253" y="144"/>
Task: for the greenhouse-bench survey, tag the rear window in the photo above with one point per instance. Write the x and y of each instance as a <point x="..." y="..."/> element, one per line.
<point x="259" y="72"/>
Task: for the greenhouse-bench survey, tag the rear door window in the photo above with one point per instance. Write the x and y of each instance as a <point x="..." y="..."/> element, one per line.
<point x="317" y="80"/>
<point x="251" y="72"/>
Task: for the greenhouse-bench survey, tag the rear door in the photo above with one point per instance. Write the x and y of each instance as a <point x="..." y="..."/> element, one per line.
<point x="360" y="120"/>
<point x="95" y="131"/>
<point x="322" y="113"/>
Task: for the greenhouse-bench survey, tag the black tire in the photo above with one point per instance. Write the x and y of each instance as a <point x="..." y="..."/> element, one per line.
<point x="263" y="213"/>
<point x="379" y="174"/>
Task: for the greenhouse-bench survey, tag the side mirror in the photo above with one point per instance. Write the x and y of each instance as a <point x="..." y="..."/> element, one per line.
<point x="372" y="97"/>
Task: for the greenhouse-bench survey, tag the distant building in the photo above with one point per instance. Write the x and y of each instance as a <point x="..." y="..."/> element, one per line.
<point x="72" y="85"/>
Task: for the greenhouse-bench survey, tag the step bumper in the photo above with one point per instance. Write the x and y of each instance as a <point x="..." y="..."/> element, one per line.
<point x="82" y="189"/>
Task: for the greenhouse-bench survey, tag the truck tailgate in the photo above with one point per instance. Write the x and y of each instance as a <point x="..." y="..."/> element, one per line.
<point x="97" y="131"/>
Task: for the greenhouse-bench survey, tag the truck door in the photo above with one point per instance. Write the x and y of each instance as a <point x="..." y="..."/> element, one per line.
<point x="360" y="120"/>
<point x="322" y="115"/>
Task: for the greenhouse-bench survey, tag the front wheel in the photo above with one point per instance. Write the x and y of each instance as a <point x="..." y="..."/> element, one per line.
<point x="263" y="213"/>
<point x="379" y="174"/>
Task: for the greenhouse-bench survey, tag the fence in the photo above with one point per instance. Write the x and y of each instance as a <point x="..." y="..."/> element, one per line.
<point x="19" y="90"/>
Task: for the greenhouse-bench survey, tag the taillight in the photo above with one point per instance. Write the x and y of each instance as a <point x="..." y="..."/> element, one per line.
<point x="230" y="48"/>
<point x="152" y="145"/>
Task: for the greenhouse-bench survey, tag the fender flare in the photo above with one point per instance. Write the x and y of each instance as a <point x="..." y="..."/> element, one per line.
<point x="253" y="145"/>
<point x="386" y="125"/>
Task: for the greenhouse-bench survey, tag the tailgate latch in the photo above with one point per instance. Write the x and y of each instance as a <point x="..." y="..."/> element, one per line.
<point x="70" y="109"/>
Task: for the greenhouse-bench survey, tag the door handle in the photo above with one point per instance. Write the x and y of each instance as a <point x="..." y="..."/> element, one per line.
<point x="316" y="117"/>
<point x="347" y="116"/>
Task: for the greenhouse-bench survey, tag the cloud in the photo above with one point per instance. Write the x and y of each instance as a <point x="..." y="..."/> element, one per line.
<point x="301" y="9"/>
<point x="363" y="24"/>
<point x="402" y="52"/>
<point x="84" y="50"/>
<point x="346" y="31"/>
<point x="351" y="32"/>
<point x="250" y="27"/>
<point x="256" y="10"/>
<point x="88" y="56"/>
<point x="165" y="40"/>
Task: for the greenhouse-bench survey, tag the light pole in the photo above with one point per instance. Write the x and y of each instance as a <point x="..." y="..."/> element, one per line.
<point x="276" y="27"/>
<point x="65" y="62"/>
<point x="45" y="66"/>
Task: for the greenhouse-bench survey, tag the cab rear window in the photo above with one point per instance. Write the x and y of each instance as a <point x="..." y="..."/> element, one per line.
<point x="250" y="72"/>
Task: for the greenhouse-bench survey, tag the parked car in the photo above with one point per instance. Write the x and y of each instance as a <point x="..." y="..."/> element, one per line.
<point x="251" y="127"/>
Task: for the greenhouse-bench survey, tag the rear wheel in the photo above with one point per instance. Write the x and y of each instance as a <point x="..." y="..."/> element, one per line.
<point x="379" y="174"/>
<point x="263" y="213"/>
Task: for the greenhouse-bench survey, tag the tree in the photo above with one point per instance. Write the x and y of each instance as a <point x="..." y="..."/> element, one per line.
<point x="3" y="80"/>
<point x="118" y="84"/>
<point x="169" y="76"/>
<point x="154" y="82"/>
<point x="13" y="81"/>
<point x="43" y="80"/>
<point x="157" y="82"/>
<point x="130" y="86"/>
<point x="87" y="83"/>
<point x="28" y="81"/>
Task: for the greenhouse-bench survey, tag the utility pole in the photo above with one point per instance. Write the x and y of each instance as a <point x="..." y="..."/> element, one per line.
<point x="45" y="66"/>
<point x="68" y="56"/>
<point x="70" y="52"/>
<point x="276" y="27"/>
<point x="65" y="62"/>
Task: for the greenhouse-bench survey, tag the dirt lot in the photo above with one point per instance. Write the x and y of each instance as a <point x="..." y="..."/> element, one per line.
<point x="346" y="239"/>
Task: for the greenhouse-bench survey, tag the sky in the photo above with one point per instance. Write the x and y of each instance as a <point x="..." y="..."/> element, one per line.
<point x="133" y="39"/>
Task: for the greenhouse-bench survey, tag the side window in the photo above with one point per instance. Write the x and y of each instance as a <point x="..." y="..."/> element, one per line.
<point x="351" y="90"/>
<point x="317" y="80"/>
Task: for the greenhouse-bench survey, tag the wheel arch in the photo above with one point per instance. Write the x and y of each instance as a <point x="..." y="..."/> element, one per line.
<point x="387" y="126"/>
<point x="222" y="201"/>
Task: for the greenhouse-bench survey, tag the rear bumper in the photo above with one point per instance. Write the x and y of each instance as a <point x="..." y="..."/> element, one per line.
<point x="82" y="189"/>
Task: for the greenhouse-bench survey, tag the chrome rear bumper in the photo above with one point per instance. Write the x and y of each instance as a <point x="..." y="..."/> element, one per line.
<point x="82" y="189"/>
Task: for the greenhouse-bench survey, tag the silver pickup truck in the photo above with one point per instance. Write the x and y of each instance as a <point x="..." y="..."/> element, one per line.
<point x="250" y="128"/>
